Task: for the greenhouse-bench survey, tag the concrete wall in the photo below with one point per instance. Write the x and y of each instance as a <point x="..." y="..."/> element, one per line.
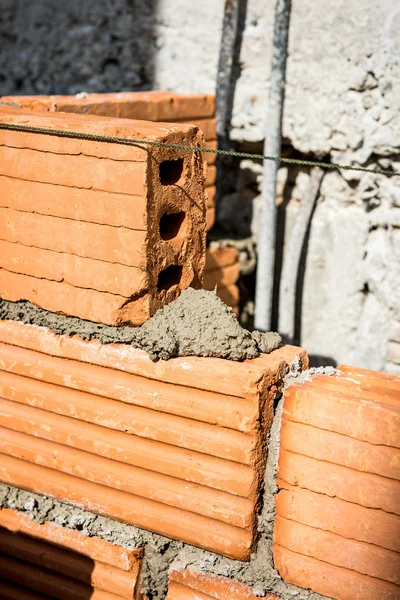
<point x="342" y="103"/>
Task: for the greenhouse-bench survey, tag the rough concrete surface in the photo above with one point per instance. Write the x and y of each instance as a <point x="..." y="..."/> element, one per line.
<point x="198" y="323"/>
<point x="162" y="554"/>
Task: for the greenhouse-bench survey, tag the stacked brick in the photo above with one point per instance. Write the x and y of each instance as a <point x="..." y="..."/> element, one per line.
<point x="222" y="272"/>
<point x="337" y="529"/>
<point x="99" y="230"/>
<point x="198" y="109"/>
<point x="175" y="447"/>
<point x="186" y="585"/>
<point x="40" y="561"/>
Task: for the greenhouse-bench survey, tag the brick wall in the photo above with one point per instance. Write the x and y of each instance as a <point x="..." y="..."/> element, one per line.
<point x="176" y="447"/>
<point x="337" y="529"/>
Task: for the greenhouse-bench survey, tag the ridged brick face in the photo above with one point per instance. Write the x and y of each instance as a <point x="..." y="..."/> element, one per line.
<point x="337" y="529"/>
<point x="102" y="231"/>
<point x="186" y="585"/>
<point x="176" y="447"/>
<point x="46" y="560"/>
<point x="197" y="109"/>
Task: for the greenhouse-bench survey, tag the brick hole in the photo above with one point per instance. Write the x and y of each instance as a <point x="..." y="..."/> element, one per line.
<point x="171" y="224"/>
<point x="169" y="277"/>
<point x="171" y="171"/>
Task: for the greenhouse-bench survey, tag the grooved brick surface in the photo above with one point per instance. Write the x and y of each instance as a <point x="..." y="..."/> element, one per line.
<point x="54" y="560"/>
<point x="137" y="214"/>
<point x="337" y="529"/>
<point x="186" y="585"/>
<point x="159" y="445"/>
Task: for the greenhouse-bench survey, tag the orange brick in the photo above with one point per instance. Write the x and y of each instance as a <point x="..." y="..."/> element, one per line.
<point x="71" y="539"/>
<point x="217" y="258"/>
<point x="343" y="518"/>
<point x="10" y="591"/>
<point x="64" y="562"/>
<point x="369" y="490"/>
<point x="224" y="276"/>
<point x="228" y="293"/>
<point x="369" y="389"/>
<point x="332" y="581"/>
<point x="221" y="588"/>
<point x="211" y="175"/>
<point x="173" y="222"/>
<point x="245" y="380"/>
<point x="366" y="559"/>
<point x="211" y="191"/>
<point x="210" y="534"/>
<point x="340" y="449"/>
<point x="370" y="421"/>
<point x="142" y="422"/>
<point x="45" y="581"/>
<point x="149" y="106"/>
<point x="210" y="218"/>
<point x="365" y="378"/>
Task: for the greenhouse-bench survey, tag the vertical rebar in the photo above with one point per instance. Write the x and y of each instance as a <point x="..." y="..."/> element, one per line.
<point x="272" y="147"/>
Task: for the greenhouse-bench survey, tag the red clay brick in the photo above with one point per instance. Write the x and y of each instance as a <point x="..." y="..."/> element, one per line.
<point x="245" y="380"/>
<point x="132" y="172"/>
<point x="64" y="562"/>
<point x="366" y="420"/>
<point x="218" y="505"/>
<point x="365" y="377"/>
<point x="211" y="176"/>
<point x="228" y="293"/>
<point x="92" y="547"/>
<point x="340" y="449"/>
<point x="46" y="582"/>
<point x="10" y="591"/>
<point x="206" y="470"/>
<point x="369" y="389"/>
<point x="369" y="490"/>
<point x="343" y="518"/>
<point x="221" y="588"/>
<point x="93" y="206"/>
<point x="170" y="429"/>
<point x="210" y="218"/>
<point x="330" y="580"/>
<point x="224" y="276"/>
<point x="73" y="270"/>
<point x="209" y="407"/>
<point x="366" y="559"/>
<point x="149" y="106"/>
<point x="217" y="258"/>
<point x="210" y="534"/>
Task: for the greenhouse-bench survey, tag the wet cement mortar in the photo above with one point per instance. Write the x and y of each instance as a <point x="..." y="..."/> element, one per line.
<point x="161" y="555"/>
<point x="198" y="323"/>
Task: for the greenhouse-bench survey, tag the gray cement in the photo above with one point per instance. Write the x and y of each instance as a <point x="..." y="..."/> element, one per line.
<point x="162" y="554"/>
<point x="198" y="323"/>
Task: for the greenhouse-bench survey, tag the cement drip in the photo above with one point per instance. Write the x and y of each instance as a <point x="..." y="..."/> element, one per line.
<point x="198" y="323"/>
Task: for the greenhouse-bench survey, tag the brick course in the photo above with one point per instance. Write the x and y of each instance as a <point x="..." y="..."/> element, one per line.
<point x="337" y="529"/>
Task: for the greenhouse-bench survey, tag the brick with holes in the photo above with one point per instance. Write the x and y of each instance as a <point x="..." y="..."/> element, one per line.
<point x="99" y="230"/>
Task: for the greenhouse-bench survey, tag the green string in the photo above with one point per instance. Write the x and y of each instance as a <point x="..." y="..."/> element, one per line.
<point x="132" y="142"/>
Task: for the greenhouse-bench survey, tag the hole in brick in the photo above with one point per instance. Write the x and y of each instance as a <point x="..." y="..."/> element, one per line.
<point x="170" y="225"/>
<point x="169" y="277"/>
<point x="171" y="171"/>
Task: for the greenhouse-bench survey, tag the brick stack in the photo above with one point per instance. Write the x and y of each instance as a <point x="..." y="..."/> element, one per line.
<point x="176" y="447"/>
<point x="198" y="109"/>
<point x="102" y="231"/>
<point x="222" y="272"/>
<point x="337" y="529"/>
<point x="49" y="561"/>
